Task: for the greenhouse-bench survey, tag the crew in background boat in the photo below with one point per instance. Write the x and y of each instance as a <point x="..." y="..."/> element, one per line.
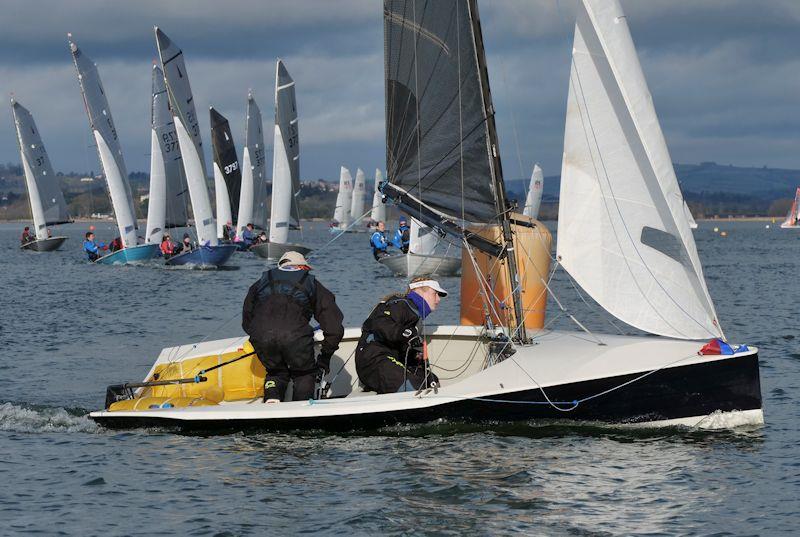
<point x="390" y="356"/>
<point x="227" y="232"/>
<point x="276" y="315"/>
<point x="401" y="237"/>
<point x="378" y="242"/>
<point x="27" y="236"/>
<point x="115" y="244"/>
<point x="186" y="244"/>
<point x="92" y="248"/>
<point x="168" y="248"/>
<point x="248" y="235"/>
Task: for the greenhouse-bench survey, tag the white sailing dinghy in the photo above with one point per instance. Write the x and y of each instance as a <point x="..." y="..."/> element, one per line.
<point x="793" y="218"/>
<point x="378" y="213"/>
<point x="227" y="174"/>
<point x="285" y="169"/>
<point x="421" y="259"/>
<point x="166" y="207"/>
<point x="359" y="199"/>
<point x="253" y="164"/>
<point x="110" y="152"/>
<point x="209" y="252"/>
<point x="621" y="236"/>
<point x="48" y="207"/>
<point x="533" y="201"/>
<point x="344" y="199"/>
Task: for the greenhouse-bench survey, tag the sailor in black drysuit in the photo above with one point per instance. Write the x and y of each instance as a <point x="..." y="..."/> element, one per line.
<point x="390" y="354"/>
<point x="276" y="315"/>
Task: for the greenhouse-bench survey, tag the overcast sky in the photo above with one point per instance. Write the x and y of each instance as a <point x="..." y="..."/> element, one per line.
<point x="724" y="74"/>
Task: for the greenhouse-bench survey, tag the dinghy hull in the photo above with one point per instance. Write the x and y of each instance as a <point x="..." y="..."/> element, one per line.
<point x="628" y="380"/>
<point x="274" y="250"/>
<point x="44" y="245"/>
<point x="412" y="265"/>
<point x="204" y="257"/>
<point x="134" y="254"/>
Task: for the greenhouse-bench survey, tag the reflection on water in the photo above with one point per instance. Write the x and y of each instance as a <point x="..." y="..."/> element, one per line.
<point x="68" y="329"/>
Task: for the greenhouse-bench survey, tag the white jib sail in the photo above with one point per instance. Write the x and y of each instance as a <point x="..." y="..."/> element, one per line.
<point x="378" y="213"/>
<point x="183" y="110"/>
<point x="689" y="217"/>
<point x="223" y="200"/>
<point x="344" y="198"/>
<point x="534" y="199"/>
<point x="421" y="240"/>
<point x="157" y="197"/>
<point x="247" y="192"/>
<point x="285" y="156"/>
<point x="108" y="146"/>
<point x="622" y="231"/>
<point x="45" y="196"/>
<point x="359" y="192"/>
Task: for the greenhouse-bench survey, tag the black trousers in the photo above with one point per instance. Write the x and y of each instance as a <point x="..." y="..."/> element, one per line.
<point x="285" y="359"/>
<point x="383" y="370"/>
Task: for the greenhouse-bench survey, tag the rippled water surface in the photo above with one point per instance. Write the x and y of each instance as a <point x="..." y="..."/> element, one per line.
<point x="68" y="329"/>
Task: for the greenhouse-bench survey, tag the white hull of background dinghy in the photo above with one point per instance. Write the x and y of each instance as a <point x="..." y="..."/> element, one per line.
<point x="643" y="381"/>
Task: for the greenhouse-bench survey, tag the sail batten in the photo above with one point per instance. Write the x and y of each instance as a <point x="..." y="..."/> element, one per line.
<point x="44" y="194"/>
<point x="623" y="233"/>
<point x="189" y="139"/>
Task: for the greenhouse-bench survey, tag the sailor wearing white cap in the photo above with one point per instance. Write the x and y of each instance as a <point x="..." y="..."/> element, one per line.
<point x="390" y="355"/>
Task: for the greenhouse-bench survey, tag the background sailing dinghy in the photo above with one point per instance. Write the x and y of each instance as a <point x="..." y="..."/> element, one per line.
<point x="378" y="212"/>
<point x="344" y="199"/>
<point x="689" y="217"/>
<point x="254" y="181"/>
<point x="166" y="204"/>
<point x="209" y="252"/>
<point x="533" y="201"/>
<point x="227" y="172"/>
<point x="421" y="259"/>
<point x="48" y="207"/>
<point x="285" y="169"/>
<point x="793" y="218"/>
<point x="110" y="152"/>
<point x="358" y="201"/>
<point x="622" y="236"/>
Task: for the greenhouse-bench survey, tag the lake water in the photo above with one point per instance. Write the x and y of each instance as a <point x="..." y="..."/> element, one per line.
<point x="68" y="329"/>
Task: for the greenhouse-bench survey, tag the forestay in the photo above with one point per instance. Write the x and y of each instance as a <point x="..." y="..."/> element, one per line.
<point x="45" y="196"/>
<point x="108" y="146"/>
<point x="167" y="196"/>
<point x="437" y="137"/>
<point x="378" y="213"/>
<point x="344" y="198"/>
<point x="188" y="130"/>
<point x="286" y="156"/>
<point x="359" y="193"/>
<point x="622" y="231"/>
<point x="533" y="201"/>
<point x="253" y="164"/>
<point x="227" y="172"/>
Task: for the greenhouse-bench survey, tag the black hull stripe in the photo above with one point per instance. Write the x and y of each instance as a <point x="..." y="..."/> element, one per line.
<point x="680" y="392"/>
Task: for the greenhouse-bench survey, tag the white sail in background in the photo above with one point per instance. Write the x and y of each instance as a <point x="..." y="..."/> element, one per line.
<point x="378" y="213"/>
<point x="359" y="193"/>
<point x="344" y="198"/>
<point x="254" y="165"/>
<point x="45" y="196"/>
<point x="422" y="240"/>
<point x="622" y="231"/>
<point x="534" y="199"/>
<point x="223" y="201"/>
<point x="247" y="192"/>
<point x="689" y="217"/>
<point x="285" y="156"/>
<point x="108" y="147"/>
<point x="188" y="130"/>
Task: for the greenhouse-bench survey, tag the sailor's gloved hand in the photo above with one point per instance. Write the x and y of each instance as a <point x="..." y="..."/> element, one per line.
<point x="324" y="362"/>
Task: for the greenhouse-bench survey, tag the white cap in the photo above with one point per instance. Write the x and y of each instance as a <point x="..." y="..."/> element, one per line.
<point x="433" y="284"/>
<point x="292" y="258"/>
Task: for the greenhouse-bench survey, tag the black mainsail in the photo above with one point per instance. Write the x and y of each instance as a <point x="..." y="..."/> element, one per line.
<point x="442" y="156"/>
<point x="226" y="160"/>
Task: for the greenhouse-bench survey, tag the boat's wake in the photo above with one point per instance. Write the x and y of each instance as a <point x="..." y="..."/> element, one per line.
<point x="44" y="419"/>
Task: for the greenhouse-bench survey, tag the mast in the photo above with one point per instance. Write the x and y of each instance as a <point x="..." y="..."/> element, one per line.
<point x="503" y="208"/>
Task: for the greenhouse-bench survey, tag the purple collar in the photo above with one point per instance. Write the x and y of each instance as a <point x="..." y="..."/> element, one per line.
<point x="422" y="306"/>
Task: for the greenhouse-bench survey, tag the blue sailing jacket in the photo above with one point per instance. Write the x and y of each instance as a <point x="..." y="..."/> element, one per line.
<point x="378" y="242"/>
<point x="401" y="238"/>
